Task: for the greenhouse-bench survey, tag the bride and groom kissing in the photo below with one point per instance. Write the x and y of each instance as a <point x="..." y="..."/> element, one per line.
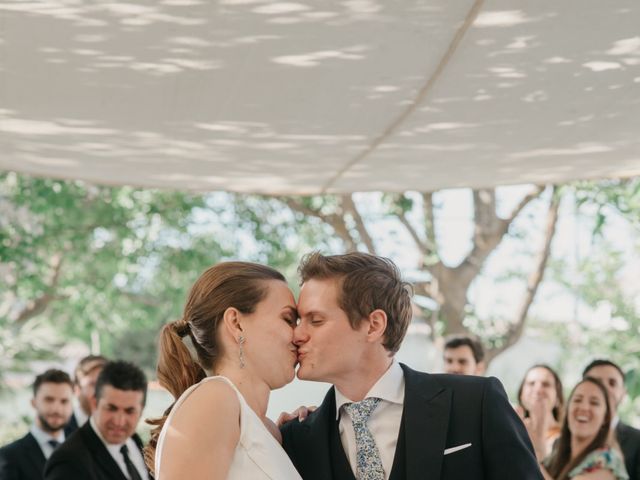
<point x="380" y="419"/>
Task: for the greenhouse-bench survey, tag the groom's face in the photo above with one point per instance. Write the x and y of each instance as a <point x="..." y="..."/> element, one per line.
<point x="328" y="348"/>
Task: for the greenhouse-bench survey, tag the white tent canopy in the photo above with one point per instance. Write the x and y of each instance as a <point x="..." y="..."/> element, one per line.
<point x="296" y="96"/>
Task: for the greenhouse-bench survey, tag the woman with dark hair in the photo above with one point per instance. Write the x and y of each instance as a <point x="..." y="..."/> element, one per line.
<point x="541" y="403"/>
<point x="239" y="318"/>
<point x="582" y="451"/>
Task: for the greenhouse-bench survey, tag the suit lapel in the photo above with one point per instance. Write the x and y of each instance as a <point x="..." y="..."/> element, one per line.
<point x="100" y="454"/>
<point x="315" y="438"/>
<point x="427" y="407"/>
<point x="35" y="458"/>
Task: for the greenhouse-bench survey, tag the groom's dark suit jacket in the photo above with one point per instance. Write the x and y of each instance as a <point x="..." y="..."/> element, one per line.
<point x="440" y="412"/>
<point x="83" y="456"/>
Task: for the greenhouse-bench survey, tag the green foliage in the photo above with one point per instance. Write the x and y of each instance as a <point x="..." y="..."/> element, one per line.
<point x="280" y="235"/>
<point x="621" y="196"/>
<point x="78" y="259"/>
<point x="600" y="282"/>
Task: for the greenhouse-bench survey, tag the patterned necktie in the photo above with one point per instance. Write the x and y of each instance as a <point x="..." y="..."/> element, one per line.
<point x="369" y="465"/>
<point x="131" y="469"/>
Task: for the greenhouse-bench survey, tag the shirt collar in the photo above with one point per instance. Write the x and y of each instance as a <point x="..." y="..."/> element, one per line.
<point x="389" y="387"/>
<point x="43" y="437"/>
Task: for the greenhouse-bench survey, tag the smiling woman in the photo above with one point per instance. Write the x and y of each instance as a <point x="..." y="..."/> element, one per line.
<point x="583" y="451"/>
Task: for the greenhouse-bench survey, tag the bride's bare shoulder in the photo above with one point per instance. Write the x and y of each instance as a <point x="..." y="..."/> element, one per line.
<point x="208" y="403"/>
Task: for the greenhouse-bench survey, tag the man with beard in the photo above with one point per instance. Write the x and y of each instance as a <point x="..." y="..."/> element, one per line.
<point x="25" y="458"/>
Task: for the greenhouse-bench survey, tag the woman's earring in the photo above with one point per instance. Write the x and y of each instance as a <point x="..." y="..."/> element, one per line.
<point x="241" y="342"/>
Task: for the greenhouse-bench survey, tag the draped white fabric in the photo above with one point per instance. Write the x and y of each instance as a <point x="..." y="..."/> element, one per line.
<point x="306" y="97"/>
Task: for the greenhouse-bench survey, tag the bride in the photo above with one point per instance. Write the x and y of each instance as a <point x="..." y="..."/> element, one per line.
<point x="239" y="317"/>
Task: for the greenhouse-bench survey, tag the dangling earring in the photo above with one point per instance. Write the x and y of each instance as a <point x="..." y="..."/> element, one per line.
<point x="241" y="342"/>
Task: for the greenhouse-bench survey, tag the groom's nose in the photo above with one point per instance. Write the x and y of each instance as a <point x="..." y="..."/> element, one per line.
<point x="300" y="334"/>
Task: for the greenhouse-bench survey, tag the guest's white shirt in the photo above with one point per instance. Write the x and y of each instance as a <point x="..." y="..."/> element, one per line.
<point x="43" y="439"/>
<point x="114" y="450"/>
<point x="384" y="423"/>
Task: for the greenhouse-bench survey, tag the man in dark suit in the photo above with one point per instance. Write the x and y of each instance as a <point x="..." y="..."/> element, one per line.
<point x="106" y="447"/>
<point x="382" y="420"/>
<point x="24" y="459"/>
<point x="612" y="376"/>
<point x="85" y="376"/>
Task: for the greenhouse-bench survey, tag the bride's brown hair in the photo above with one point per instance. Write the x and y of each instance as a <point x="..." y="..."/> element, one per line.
<point x="241" y="285"/>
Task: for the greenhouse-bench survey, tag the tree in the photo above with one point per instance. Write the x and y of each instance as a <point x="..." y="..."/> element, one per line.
<point x="348" y="222"/>
<point x="603" y="279"/>
<point x="79" y="261"/>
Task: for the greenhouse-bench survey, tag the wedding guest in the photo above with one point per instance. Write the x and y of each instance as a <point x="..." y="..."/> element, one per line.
<point x="106" y="447"/>
<point x="463" y="355"/>
<point x="583" y="451"/>
<point x="25" y="458"/>
<point x="613" y="378"/>
<point x="85" y="376"/>
<point x="541" y="404"/>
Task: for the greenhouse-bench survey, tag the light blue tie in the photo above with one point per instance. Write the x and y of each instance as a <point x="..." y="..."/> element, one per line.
<point x="369" y="465"/>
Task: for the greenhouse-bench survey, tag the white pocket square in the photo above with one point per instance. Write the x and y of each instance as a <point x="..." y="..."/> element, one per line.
<point x="447" y="451"/>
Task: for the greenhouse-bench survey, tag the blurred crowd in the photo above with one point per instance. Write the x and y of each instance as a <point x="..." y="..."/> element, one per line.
<point x="102" y="404"/>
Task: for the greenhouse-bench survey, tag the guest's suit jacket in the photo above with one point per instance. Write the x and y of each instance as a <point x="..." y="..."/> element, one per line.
<point x="83" y="456"/>
<point x="22" y="460"/>
<point x="629" y="440"/>
<point x="440" y="412"/>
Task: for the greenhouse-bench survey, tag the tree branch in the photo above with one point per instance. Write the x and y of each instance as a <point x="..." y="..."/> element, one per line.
<point x="422" y="246"/>
<point x="524" y="202"/>
<point x="535" y="277"/>
<point x="336" y="221"/>
<point x="429" y="223"/>
<point x="349" y="206"/>
<point x="489" y="231"/>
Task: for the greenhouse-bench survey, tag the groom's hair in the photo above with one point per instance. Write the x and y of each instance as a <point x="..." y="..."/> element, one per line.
<point x="366" y="283"/>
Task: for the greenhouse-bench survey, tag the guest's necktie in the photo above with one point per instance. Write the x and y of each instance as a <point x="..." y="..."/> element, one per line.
<point x="54" y="443"/>
<point x="133" y="471"/>
<point x="369" y="465"/>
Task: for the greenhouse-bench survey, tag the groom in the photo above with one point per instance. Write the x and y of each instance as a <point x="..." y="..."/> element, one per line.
<point x="382" y="420"/>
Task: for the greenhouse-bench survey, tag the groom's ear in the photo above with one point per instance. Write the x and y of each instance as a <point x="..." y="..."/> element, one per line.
<point x="231" y="321"/>
<point x="377" y="325"/>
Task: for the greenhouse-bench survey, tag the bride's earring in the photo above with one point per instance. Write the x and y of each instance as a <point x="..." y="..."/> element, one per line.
<point x="241" y="340"/>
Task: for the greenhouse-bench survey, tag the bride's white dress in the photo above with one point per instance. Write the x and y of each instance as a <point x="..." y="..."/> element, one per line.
<point x="258" y="454"/>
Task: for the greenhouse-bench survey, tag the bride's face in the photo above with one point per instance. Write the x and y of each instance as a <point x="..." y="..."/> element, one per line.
<point x="268" y="349"/>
